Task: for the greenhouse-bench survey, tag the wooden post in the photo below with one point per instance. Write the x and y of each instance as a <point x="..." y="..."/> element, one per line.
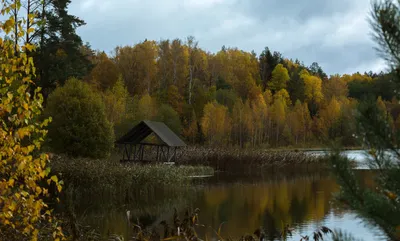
<point x="142" y="147"/>
<point x="130" y="152"/>
<point x="163" y="153"/>
<point x="123" y="153"/>
<point x="175" y="155"/>
<point x="158" y="147"/>
<point x="134" y="153"/>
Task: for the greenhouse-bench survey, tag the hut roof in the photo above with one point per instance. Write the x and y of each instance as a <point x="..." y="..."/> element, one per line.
<point x="145" y="128"/>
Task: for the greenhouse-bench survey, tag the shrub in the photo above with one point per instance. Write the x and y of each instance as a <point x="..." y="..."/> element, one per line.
<point x="80" y="126"/>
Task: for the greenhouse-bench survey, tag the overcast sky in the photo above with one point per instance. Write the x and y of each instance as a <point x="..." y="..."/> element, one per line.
<point x="334" y="33"/>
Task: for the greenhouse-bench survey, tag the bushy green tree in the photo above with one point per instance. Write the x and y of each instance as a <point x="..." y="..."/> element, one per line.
<point x="80" y="126"/>
<point x="170" y="117"/>
<point x="280" y="77"/>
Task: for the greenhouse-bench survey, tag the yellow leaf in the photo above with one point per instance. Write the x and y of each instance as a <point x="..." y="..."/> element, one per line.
<point x="12" y="206"/>
<point x="54" y="178"/>
<point x="22" y="132"/>
<point x="31" y="30"/>
<point x="29" y="46"/>
<point x="11" y="182"/>
<point x="38" y="190"/>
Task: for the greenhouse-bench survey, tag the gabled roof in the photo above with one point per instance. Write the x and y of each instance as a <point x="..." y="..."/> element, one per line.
<point x="145" y="128"/>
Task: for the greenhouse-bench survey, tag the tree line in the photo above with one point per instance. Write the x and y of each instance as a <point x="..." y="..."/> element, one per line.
<point x="231" y="97"/>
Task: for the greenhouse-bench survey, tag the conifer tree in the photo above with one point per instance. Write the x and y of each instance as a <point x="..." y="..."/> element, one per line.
<point x="380" y="207"/>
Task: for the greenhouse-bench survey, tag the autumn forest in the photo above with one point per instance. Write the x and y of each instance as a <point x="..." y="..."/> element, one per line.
<point x="231" y="97"/>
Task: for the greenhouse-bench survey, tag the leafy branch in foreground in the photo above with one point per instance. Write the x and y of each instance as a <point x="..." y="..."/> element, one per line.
<point x="23" y="169"/>
<point x="376" y="134"/>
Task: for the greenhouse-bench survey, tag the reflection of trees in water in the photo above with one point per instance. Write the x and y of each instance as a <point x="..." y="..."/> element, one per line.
<point x="247" y="205"/>
<point x="105" y="210"/>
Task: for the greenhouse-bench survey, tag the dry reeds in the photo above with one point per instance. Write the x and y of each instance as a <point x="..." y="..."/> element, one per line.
<point x="240" y="160"/>
<point x="187" y="227"/>
<point x="83" y="172"/>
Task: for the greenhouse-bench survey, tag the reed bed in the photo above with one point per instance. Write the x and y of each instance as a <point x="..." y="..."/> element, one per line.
<point x="240" y="160"/>
<point x="82" y="172"/>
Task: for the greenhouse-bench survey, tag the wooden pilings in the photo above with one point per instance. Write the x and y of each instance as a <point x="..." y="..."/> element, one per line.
<point x="136" y="153"/>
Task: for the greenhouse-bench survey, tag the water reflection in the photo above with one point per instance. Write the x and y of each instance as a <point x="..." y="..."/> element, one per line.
<point x="361" y="157"/>
<point x="245" y="203"/>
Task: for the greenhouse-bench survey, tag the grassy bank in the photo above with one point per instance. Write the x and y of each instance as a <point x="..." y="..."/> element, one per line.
<point x="82" y="172"/>
<point x="239" y="160"/>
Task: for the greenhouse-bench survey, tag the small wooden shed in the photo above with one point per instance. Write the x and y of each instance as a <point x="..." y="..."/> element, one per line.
<point x="133" y="142"/>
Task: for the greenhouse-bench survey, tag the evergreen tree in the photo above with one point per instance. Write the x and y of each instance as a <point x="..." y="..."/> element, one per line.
<point x="60" y="50"/>
<point x="381" y="206"/>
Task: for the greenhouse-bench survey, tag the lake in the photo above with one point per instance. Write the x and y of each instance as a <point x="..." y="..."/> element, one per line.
<point x="243" y="203"/>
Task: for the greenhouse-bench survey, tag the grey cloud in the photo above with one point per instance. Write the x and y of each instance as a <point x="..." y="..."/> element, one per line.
<point x="332" y="33"/>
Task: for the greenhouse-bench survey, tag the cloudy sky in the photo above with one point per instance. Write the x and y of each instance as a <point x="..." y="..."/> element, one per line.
<point x="334" y="33"/>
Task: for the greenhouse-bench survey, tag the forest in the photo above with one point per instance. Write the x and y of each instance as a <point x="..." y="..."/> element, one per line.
<point x="63" y="104"/>
<point x="228" y="98"/>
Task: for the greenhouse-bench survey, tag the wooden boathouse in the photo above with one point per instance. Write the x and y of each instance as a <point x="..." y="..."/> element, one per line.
<point x="133" y="143"/>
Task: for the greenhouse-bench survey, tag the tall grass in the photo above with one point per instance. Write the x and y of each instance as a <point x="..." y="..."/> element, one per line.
<point x="241" y="160"/>
<point x="109" y="174"/>
<point x="188" y="227"/>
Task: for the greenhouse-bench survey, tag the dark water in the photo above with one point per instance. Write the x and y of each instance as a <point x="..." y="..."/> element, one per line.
<point x="269" y="200"/>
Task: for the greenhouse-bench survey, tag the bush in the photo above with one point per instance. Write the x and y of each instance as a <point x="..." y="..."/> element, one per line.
<point x="79" y="126"/>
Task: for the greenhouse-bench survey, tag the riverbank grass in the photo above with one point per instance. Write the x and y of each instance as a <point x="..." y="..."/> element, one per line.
<point x="245" y="160"/>
<point x="85" y="172"/>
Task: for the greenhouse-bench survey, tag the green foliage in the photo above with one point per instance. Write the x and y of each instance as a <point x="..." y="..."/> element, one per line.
<point x="380" y="86"/>
<point x="146" y="108"/>
<point x="80" y="126"/>
<point x="60" y="54"/>
<point x="385" y="21"/>
<point x="170" y="117"/>
<point x="268" y="61"/>
<point x="380" y="206"/>
<point x="115" y="100"/>
<point x="226" y="98"/>
<point x="280" y="76"/>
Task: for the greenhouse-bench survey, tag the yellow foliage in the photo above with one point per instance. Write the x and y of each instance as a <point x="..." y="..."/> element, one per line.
<point x="329" y="116"/>
<point x="356" y="77"/>
<point x="312" y="87"/>
<point x="20" y="168"/>
<point x="381" y="105"/>
<point x="216" y="123"/>
<point x="280" y="77"/>
<point x="283" y="95"/>
<point x="115" y="100"/>
<point x="147" y="107"/>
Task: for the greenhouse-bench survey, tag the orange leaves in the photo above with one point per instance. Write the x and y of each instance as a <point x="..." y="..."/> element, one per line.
<point x="391" y="195"/>
<point x="398" y="231"/>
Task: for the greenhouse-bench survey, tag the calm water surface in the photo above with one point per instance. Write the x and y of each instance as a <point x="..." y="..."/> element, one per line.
<point x="303" y="200"/>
